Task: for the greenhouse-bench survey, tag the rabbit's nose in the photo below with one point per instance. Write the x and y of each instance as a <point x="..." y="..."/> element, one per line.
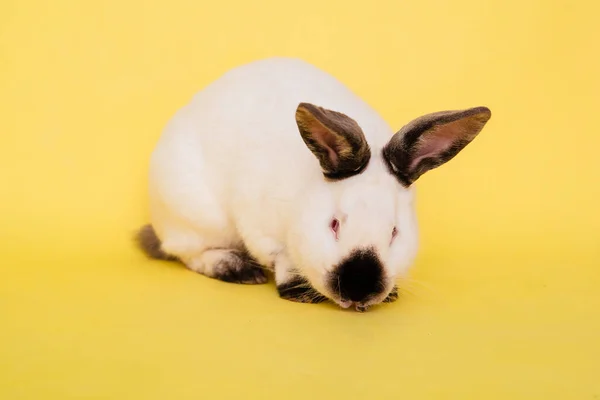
<point x="358" y="277"/>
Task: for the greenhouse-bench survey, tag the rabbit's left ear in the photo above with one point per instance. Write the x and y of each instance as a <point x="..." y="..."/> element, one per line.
<point x="432" y="140"/>
<point x="335" y="139"/>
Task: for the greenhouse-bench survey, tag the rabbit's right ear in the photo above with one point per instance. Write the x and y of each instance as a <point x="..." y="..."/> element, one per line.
<point x="335" y="139"/>
<point x="431" y="140"/>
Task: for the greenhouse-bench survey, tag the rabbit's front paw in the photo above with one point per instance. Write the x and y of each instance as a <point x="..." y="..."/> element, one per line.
<point x="300" y="290"/>
<point x="393" y="296"/>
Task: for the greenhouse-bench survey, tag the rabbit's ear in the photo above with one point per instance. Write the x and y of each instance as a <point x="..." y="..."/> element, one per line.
<point x="432" y="140"/>
<point x="335" y="139"/>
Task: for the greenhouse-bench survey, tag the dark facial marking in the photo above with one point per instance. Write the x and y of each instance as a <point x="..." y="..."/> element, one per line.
<point x="301" y="291"/>
<point x="432" y="140"/>
<point x="335" y="139"/>
<point x="358" y="277"/>
<point x="240" y="267"/>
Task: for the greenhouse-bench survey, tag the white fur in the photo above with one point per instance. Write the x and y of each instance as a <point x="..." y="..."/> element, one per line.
<point x="231" y="169"/>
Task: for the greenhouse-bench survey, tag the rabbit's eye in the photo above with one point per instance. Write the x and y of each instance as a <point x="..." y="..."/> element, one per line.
<point x="335" y="226"/>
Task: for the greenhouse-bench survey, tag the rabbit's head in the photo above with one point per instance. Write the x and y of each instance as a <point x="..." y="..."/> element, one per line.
<point x="356" y="232"/>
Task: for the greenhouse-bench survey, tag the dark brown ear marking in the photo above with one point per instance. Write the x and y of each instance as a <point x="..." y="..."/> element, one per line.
<point x="335" y="139"/>
<point x="432" y="140"/>
<point x="301" y="291"/>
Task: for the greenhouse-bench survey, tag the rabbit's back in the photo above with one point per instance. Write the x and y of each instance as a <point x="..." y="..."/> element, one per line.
<point x="249" y="113"/>
<point x="235" y="149"/>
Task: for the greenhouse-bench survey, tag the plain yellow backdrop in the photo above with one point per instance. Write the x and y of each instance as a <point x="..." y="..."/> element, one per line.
<point x="504" y="300"/>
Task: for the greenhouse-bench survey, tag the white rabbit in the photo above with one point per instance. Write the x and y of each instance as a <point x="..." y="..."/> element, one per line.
<point x="278" y="166"/>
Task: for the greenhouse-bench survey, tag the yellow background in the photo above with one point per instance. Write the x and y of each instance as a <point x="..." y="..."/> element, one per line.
<point x="504" y="301"/>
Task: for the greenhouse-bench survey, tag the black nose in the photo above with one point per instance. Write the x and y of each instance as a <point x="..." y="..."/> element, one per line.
<point x="358" y="277"/>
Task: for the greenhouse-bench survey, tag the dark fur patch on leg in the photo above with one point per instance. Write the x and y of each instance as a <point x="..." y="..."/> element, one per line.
<point x="150" y="244"/>
<point x="301" y="291"/>
<point x="393" y="296"/>
<point x="240" y="267"/>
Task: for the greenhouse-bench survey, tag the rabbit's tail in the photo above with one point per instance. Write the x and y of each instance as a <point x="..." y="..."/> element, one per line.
<point x="150" y="244"/>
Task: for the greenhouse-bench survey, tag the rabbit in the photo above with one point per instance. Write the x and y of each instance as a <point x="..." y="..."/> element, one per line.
<point x="277" y="167"/>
